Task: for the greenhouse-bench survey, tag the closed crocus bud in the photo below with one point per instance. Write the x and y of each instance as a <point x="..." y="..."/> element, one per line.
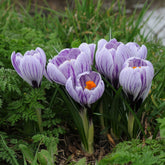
<point x="136" y="78"/>
<point x="110" y="57"/>
<point x="137" y="51"/>
<point x="70" y="62"/>
<point x="31" y="66"/>
<point x="88" y="49"/>
<point x="86" y="88"/>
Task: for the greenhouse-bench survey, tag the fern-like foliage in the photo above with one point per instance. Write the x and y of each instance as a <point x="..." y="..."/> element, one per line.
<point x="7" y="154"/>
<point x="49" y="141"/>
<point x="9" y="81"/>
<point x="24" y="108"/>
<point x="10" y="90"/>
<point x="136" y="153"/>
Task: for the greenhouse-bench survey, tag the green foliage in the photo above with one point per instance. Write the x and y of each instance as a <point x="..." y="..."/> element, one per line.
<point x="50" y="142"/>
<point x="81" y="162"/>
<point x="25" y="107"/>
<point x="136" y="153"/>
<point x="87" y="22"/>
<point x="75" y="44"/>
<point x="9" y="149"/>
<point x="44" y="156"/>
<point x="7" y="154"/>
<point x="162" y="127"/>
<point x="9" y="81"/>
<point x="28" y="154"/>
<point x="22" y="32"/>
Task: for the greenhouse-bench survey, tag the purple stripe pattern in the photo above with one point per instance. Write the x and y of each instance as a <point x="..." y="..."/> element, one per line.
<point x="76" y="87"/>
<point x="136" y="78"/>
<point x="110" y="57"/>
<point x="71" y="62"/>
<point x="31" y="66"/>
<point x="137" y="51"/>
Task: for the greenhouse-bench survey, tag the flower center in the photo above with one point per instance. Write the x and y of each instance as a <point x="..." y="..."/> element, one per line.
<point x="90" y="84"/>
<point x="136" y="67"/>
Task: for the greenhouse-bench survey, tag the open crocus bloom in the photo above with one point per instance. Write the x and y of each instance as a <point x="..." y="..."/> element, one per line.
<point x="137" y="51"/>
<point x="86" y="88"/>
<point x="110" y="57"/>
<point x="31" y="66"/>
<point x="136" y="78"/>
<point x="71" y="62"/>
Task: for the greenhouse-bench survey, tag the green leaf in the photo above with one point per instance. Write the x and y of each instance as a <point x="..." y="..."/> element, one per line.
<point x="27" y="153"/>
<point x="162" y="127"/>
<point x="81" y="161"/>
<point x="45" y="158"/>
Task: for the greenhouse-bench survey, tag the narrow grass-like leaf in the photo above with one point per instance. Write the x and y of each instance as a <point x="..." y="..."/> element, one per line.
<point x="135" y="26"/>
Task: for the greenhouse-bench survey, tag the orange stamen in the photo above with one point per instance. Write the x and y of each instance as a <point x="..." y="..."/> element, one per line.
<point x="90" y="84"/>
<point x="136" y="67"/>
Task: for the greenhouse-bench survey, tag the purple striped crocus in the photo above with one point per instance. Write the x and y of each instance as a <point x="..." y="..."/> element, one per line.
<point x="31" y="66"/>
<point x="86" y="88"/>
<point x="71" y="62"/>
<point x="136" y="50"/>
<point x="136" y="78"/>
<point x="110" y="57"/>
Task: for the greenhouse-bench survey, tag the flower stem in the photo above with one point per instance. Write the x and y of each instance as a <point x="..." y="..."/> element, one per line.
<point x="90" y="137"/>
<point x="84" y="118"/>
<point x="39" y="117"/>
<point x="130" y="124"/>
<point x="88" y="129"/>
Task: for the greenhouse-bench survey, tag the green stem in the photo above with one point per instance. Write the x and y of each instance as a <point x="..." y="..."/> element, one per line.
<point x="130" y="124"/>
<point x="88" y="129"/>
<point x="39" y="117"/>
<point x="90" y="137"/>
<point x="84" y="118"/>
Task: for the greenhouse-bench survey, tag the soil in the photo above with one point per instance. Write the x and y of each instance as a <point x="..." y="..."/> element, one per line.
<point x="70" y="149"/>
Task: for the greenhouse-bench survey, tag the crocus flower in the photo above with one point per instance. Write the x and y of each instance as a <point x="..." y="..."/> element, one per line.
<point x="86" y="88"/>
<point x="31" y="66"/>
<point x="71" y="62"/>
<point x="137" y="51"/>
<point x="110" y="56"/>
<point x="136" y="78"/>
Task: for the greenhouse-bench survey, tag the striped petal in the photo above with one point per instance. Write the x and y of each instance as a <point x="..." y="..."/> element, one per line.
<point x="82" y="64"/>
<point x="55" y="74"/>
<point x="15" y="59"/>
<point x="137" y="51"/>
<point x="31" y="70"/>
<point x="70" y="87"/>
